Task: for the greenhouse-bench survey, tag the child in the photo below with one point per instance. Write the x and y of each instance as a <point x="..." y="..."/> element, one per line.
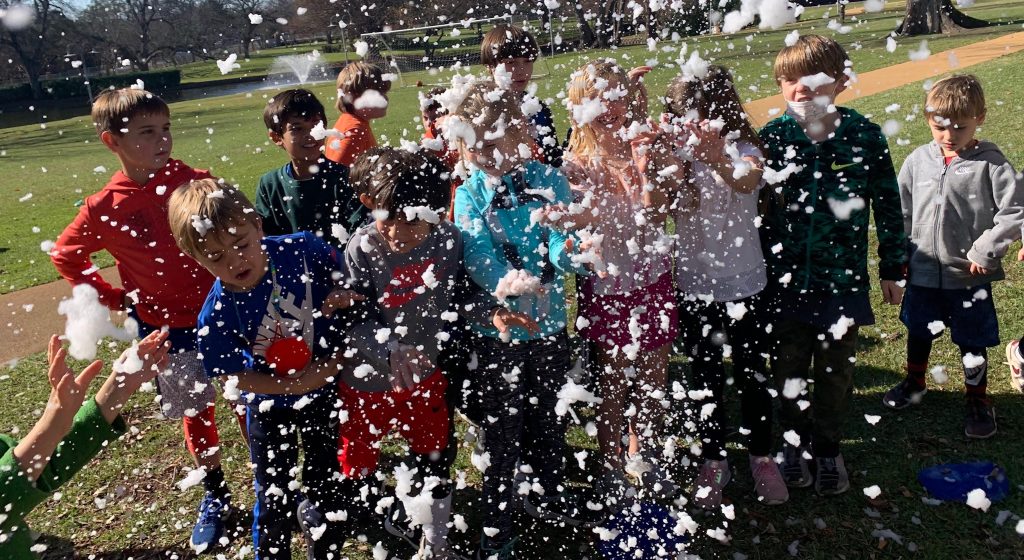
<point x="817" y="233"/>
<point x="509" y="52"/>
<point x="432" y="114"/>
<point x="309" y="193"/>
<point x="626" y="311"/>
<point x="720" y="269"/>
<point x="963" y="204"/>
<point x="162" y="287"/>
<point x="67" y="436"/>
<point x="409" y="264"/>
<point x="362" y="97"/>
<point x="267" y="325"/>
<point x="518" y="375"/>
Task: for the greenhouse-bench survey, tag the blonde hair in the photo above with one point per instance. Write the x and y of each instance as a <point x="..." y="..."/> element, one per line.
<point x="583" y="86"/>
<point x="712" y="97"/>
<point x="114" y="108"/>
<point x="809" y="55"/>
<point x="958" y="98"/>
<point x="485" y="104"/>
<point x="206" y="207"/>
<point x="354" y="80"/>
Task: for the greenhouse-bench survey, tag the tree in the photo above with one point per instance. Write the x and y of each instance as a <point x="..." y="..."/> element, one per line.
<point x="140" y="30"/>
<point x="36" y="45"/>
<point x="241" y="10"/>
<point x="926" y="17"/>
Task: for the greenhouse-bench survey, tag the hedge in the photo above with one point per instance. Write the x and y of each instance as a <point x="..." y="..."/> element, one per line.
<point x="159" y="81"/>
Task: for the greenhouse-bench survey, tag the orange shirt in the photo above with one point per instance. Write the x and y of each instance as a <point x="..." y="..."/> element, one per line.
<point x="358" y="137"/>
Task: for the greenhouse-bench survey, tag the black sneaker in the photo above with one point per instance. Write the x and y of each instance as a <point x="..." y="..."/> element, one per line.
<point x="490" y="551"/>
<point x="563" y="508"/>
<point x="980" y="419"/>
<point x="794" y="467"/>
<point x="903" y="395"/>
<point x="396" y="522"/>
<point x="832" y="477"/>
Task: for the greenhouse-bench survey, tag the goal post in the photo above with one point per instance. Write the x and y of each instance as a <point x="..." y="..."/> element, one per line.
<point x="429" y="55"/>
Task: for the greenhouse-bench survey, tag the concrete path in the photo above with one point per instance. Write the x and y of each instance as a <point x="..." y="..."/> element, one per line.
<point x="32" y="313"/>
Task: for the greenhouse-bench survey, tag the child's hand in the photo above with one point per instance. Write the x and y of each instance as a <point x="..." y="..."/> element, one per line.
<point x="67" y="391"/>
<point x="978" y="270"/>
<point x="340" y="299"/>
<point x="409" y="366"/>
<point x="892" y="292"/>
<point x="711" y="148"/>
<point x="121" y="385"/>
<point x="504" y="319"/>
<point x="640" y="101"/>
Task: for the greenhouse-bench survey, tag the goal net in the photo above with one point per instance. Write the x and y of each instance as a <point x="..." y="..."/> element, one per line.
<point x="430" y="55"/>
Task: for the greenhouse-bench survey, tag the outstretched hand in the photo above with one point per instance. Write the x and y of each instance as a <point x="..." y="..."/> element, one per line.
<point x="67" y="390"/>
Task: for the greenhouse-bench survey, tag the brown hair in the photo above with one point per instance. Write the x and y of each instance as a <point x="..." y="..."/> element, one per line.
<point x="485" y="104"/>
<point x="292" y="103"/>
<point x="583" y="86"/>
<point x="113" y="108"/>
<point x="810" y="55"/>
<point x="429" y="102"/>
<point x="355" y="79"/>
<point x="395" y="179"/>
<point x="713" y="97"/>
<point x="220" y="206"/>
<point x="958" y="98"/>
<point x="506" y="42"/>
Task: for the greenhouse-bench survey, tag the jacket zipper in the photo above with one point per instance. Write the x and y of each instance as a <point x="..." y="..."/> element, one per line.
<point x="810" y="224"/>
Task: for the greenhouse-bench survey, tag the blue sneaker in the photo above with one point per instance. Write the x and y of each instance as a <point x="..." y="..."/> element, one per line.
<point x="213" y="511"/>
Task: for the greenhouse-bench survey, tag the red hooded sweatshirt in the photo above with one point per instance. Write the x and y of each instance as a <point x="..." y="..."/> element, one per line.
<point x="130" y="222"/>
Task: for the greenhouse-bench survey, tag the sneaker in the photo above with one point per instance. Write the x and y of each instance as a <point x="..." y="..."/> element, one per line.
<point x="768" y="483"/>
<point x="832" y="476"/>
<point x="506" y="551"/>
<point x="396" y="522"/>
<point x="795" y="471"/>
<point x="563" y="508"/>
<point x="209" y="529"/>
<point x="1016" y="375"/>
<point x="650" y="475"/>
<point x="980" y="420"/>
<point x="612" y="489"/>
<point x="903" y="395"/>
<point x="427" y="552"/>
<point x="707" y="490"/>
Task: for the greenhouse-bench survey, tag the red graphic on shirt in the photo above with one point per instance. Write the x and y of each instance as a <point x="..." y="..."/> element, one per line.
<point x="406" y="283"/>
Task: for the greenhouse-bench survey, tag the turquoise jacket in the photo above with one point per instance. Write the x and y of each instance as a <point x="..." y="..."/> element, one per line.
<point x="498" y="237"/>
<point x="89" y="433"/>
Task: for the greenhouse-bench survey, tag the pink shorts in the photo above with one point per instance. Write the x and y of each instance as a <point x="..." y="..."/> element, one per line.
<point x="609" y="316"/>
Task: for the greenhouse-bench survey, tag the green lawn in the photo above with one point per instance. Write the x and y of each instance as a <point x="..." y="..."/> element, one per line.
<point x="145" y="516"/>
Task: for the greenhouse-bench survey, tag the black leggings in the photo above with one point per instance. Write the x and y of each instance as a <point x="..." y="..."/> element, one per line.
<point x="708" y="328"/>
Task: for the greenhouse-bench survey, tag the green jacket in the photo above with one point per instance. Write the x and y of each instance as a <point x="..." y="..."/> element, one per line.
<point x="18" y="496"/>
<point x="314" y="205"/>
<point x="815" y="231"/>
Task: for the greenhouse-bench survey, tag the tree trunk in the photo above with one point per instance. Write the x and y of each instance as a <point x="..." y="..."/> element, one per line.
<point x="587" y="37"/>
<point x="927" y="17"/>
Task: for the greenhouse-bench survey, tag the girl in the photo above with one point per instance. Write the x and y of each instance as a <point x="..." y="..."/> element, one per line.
<point x="518" y="260"/>
<point x="720" y="273"/>
<point x="626" y="312"/>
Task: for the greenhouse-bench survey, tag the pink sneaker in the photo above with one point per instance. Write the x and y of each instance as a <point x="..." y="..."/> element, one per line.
<point x="768" y="483"/>
<point x="707" y="490"/>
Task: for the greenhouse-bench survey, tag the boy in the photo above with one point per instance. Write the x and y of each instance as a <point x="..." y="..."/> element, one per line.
<point x="509" y="52"/>
<point x="408" y="266"/>
<point x="362" y="97"/>
<point x="162" y="286"/>
<point x="267" y="324"/>
<point x="963" y="204"/>
<point x="817" y="233"/>
<point x="309" y="193"/>
<point x="431" y="115"/>
<point x="69" y="434"/>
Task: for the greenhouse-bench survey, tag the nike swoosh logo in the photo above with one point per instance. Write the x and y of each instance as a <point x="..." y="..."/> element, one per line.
<point x="837" y="167"/>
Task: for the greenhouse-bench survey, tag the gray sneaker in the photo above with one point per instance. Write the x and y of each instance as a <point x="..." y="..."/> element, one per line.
<point x="832" y="476"/>
<point x="794" y="467"/>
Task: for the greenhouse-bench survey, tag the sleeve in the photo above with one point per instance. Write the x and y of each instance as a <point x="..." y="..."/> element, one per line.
<point x="906" y="184"/>
<point x="265" y="208"/>
<point x="89" y="434"/>
<point x="474" y="303"/>
<point x="72" y="257"/>
<point x="219" y="343"/>
<point x="480" y="254"/>
<point x="559" y="257"/>
<point x="366" y="321"/>
<point x="885" y="197"/>
<point x="1008" y="195"/>
<point x="17" y="493"/>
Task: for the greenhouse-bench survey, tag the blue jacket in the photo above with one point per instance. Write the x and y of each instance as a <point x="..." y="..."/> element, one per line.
<point x="498" y="237"/>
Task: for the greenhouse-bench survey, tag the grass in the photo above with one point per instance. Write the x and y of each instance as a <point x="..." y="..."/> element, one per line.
<point x="145" y="516"/>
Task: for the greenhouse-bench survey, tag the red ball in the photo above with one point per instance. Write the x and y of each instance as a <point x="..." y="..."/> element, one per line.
<point x="288" y="355"/>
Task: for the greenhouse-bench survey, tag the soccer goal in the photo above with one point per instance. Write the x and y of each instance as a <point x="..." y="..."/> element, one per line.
<point x="429" y="55"/>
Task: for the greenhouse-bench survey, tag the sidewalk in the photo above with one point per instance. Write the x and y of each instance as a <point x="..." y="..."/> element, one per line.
<point x="26" y="332"/>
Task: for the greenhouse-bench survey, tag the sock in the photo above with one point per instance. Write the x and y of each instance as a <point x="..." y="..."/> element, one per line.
<point x="975" y="373"/>
<point x="214" y="483"/>
<point x="915" y="374"/>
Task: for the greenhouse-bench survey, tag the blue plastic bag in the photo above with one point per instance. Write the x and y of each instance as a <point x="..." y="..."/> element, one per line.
<point x="952" y="481"/>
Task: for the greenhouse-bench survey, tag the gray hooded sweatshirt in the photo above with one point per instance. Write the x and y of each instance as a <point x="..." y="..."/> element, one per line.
<point x="968" y="211"/>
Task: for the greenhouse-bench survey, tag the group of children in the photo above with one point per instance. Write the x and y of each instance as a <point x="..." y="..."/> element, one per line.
<point x="361" y="296"/>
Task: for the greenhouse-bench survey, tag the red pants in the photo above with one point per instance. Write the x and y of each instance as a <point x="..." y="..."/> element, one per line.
<point x="419" y="415"/>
